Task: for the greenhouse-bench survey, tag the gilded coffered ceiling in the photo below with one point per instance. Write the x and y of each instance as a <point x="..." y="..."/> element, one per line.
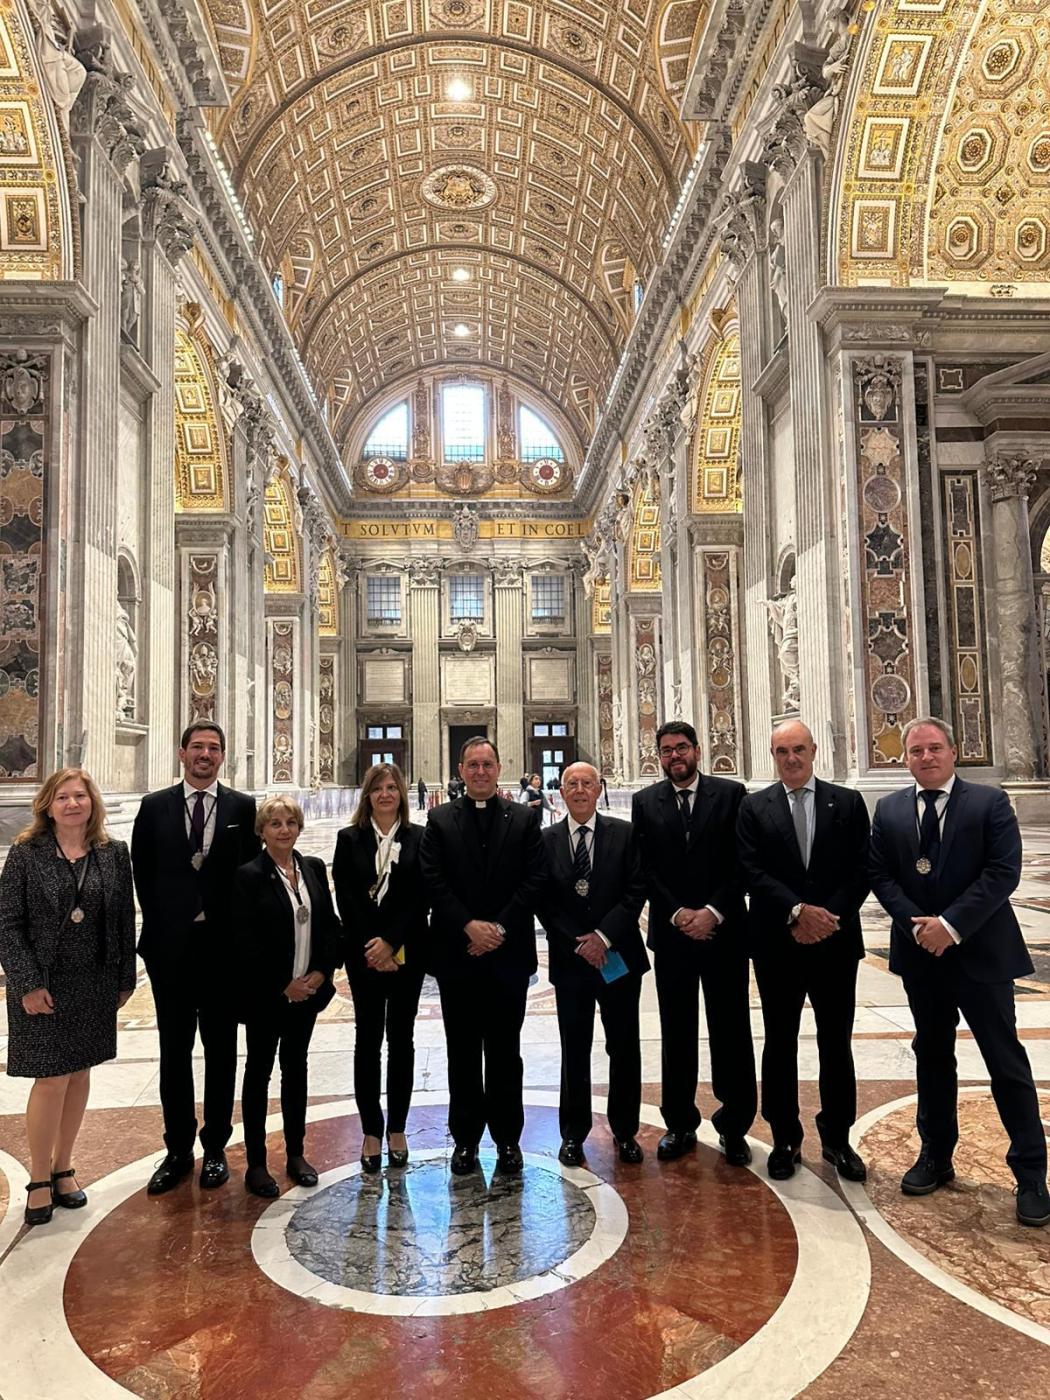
<point x="544" y="180"/>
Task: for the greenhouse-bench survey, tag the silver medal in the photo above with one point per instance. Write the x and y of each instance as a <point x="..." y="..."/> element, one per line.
<point x="77" y="915"/>
<point x="302" y="914"/>
<point x="923" y="865"/>
<point x="583" y="888"/>
<point x="197" y="859"/>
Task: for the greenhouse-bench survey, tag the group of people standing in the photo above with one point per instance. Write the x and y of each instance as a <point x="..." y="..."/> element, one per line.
<point x="233" y="932"/>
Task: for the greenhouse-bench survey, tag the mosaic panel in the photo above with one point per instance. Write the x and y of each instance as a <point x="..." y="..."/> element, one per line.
<point x="646" y="675"/>
<point x="202" y="635"/>
<point x="644" y="545"/>
<point x="969" y="664"/>
<point x="326" y="693"/>
<point x="716" y="476"/>
<point x="606" y="731"/>
<point x="200" y="446"/>
<point x="721" y="688"/>
<point x="281" y="573"/>
<point x="885" y="541"/>
<point x="25" y="431"/>
<point x="282" y="700"/>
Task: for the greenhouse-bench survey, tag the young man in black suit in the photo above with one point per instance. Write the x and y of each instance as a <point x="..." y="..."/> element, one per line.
<point x="803" y="847"/>
<point x="590" y="910"/>
<point x="686" y="828"/>
<point x="187" y="843"/>
<point x="483" y="865"/>
<point x="945" y="858"/>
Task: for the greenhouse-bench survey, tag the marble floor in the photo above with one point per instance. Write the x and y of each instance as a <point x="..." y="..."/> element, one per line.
<point x="690" y="1278"/>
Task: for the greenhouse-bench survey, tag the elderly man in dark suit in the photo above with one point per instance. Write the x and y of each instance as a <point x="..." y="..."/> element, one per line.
<point x="483" y="866"/>
<point x="590" y="910"/>
<point x="686" y="828"/>
<point x="803" y="847"/>
<point x="187" y="843"/>
<point x="945" y="858"/>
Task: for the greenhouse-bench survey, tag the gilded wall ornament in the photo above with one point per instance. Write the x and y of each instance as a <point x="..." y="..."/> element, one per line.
<point x="381" y="475"/>
<point x="459" y="187"/>
<point x="546" y="476"/>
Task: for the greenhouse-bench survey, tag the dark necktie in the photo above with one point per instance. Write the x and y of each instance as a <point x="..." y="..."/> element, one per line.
<point x="581" y="861"/>
<point x="930" y="827"/>
<point x="197" y="823"/>
<point x="683" y="807"/>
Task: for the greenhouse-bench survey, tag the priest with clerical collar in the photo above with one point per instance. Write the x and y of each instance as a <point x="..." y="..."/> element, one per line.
<point x="483" y="863"/>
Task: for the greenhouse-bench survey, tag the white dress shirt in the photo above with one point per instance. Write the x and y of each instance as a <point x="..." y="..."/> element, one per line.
<point x="301" y="961"/>
<point x="940" y="806"/>
<point x="189" y="801"/>
<point x="574" y="838"/>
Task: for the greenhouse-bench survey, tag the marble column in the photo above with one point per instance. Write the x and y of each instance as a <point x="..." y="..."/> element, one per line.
<point x="424" y="598"/>
<point x="510" y="719"/>
<point x="1009" y="479"/>
<point x="586" y="696"/>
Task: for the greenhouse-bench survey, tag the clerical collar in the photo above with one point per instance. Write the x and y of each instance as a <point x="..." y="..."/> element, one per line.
<point x="482" y="802"/>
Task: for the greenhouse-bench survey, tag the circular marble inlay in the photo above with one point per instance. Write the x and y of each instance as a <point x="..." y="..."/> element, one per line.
<point x="422" y="1240"/>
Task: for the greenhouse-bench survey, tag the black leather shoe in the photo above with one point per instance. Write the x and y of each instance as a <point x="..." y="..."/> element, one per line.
<point x="464" y="1160"/>
<point x="1033" y="1204"/>
<point x="570" y="1154"/>
<point x="396" y="1156"/>
<point x="672" y="1145"/>
<point x="782" y="1161"/>
<point x="259" y="1182"/>
<point x="734" y="1149"/>
<point x="629" y="1150"/>
<point x="301" y="1172"/>
<point x="371" y="1163"/>
<point x="509" y="1159"/>
<point x="39" y="1215"/>
<point x="926" y="1175"/>
<point x="71" y="1200"/>
<point x="214" y="1171"/>
<point x="169" y="1174"/>
<point x="848" y="1165"/>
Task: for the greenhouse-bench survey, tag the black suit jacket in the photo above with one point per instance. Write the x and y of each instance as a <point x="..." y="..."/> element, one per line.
<point x="611" y="906"/>
<point x="171" y="893"/>
<point x="693" y="874"/>
<point x="978" y="869"/>
<point x="462" y="884"/>
<point x="776" y="880"/>
<point x="401" y="919"/>
<point x="264" y="932"/>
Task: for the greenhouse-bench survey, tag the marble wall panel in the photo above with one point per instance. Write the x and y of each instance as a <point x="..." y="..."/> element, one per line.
<point x="646" y="664"/>
<point x="968" y="656"/>
<point x="327" y="692"/>
<point x="604" y="692"/>
<point x="282" y="700"/>
<point x="25" y="434"/>
<point x="202" y="635"/>
<point x="721" y="680"/>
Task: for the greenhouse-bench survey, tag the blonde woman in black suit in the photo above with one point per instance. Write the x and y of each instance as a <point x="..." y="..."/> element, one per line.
<point x="288" y="942"/>
<point x="383" y="907"/>
<point x="67" y="945"/>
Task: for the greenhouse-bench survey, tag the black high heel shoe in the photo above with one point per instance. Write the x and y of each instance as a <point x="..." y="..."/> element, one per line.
<point x="71" y="1200"/>
<point x="40" y="1215"/>
<point x="371" y="1164"/>
<point x="396" y="1156"/>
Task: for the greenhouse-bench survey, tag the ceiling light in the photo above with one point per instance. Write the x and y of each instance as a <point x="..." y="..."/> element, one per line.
<point x="461" y="274"/>
<point x="458" y="90"/>
<point x="460" y="329"/>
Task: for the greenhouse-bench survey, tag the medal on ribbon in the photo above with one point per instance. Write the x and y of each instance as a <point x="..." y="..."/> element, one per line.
<point x="302" y="914"/>
<point x="197" y="859"/>
<point x="583" y="888"/>
<point x="77" y="915"/>
<point x="923" y="865"/>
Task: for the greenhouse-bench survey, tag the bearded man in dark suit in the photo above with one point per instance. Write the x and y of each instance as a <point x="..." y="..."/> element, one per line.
<point x="484" y="869"/>
<point x="945" y="859"/>
<point x="187" y="843"/>
<point x="686" y="827"/>
<point x="590" y="910"/>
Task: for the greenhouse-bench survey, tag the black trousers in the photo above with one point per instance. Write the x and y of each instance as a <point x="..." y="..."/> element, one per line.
<point x="722" y="969"/>
<point x="785" y="978"/>
<point x="483" y="1016"/>
<point x="385" y="1003"/>
<point x="285" y="1027"/>
<point x="936" y="1001"/>
<point x="617" y="1001"/>
<point x="189" y="998"/>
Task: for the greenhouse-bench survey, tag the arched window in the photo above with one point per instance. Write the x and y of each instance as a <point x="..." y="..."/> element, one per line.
<point x="537" y="438"/>
<point x="277" y="283"/>
<point x="389" y="437"/>
<point x="463" y="422"/>
<point x="638" y="294"/>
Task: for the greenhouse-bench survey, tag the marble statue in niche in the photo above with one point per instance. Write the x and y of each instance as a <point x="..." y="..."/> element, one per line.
<point x="819" y="121"/>
<point x="130" y="299"/>
<point x="778" y="266"/>
<point x="64" y="75"/>
<point x="783" y="623"/>
<point x="127" y="660"/>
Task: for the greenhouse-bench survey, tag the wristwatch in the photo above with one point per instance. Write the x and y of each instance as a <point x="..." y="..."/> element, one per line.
<point x="796" y="914"/>
<point x="501" y="931"/>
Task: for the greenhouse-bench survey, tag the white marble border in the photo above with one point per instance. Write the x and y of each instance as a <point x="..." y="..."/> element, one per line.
<point x="814" y="1322"/>
<point x="870" y="1215"/>
<point x="274" y="1258"/>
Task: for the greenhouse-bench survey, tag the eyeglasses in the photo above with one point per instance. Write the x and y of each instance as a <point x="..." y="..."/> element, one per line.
<point x="679" y="750"/>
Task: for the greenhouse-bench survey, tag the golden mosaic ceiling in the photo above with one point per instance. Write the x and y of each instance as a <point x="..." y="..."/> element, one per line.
<point x="367" y="184"/>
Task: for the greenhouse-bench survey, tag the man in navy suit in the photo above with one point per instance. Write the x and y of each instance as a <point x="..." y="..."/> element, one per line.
<point x="803" y="847"/>
<point x="590" y="910"/>
<point x="187" y="844"/>
<point x="686" y="828"/>
<point x="945" y="858"/>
